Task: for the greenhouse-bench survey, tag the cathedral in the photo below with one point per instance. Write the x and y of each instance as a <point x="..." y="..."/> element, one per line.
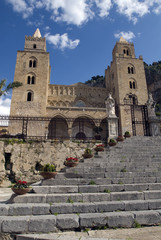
<point x="77" y="111"/>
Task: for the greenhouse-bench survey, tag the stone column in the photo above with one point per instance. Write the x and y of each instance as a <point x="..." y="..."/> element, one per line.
<point x="112" y="119"/>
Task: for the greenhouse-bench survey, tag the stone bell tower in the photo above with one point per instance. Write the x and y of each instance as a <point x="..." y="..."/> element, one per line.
<point x="125" y="79"/>
<point x="33" y="71"/>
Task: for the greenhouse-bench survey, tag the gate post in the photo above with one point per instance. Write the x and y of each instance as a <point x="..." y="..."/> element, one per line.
<point x="112" y="119"/>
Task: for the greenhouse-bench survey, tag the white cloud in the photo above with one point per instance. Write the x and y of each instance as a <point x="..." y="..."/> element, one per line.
<point x="104" y="7"/>
<point x="126" y="35"/>
<point x="5" y="106"/>
<point x="21" y="6"/>
<point x="61" y="41"/>
<point x="78" y="12"/>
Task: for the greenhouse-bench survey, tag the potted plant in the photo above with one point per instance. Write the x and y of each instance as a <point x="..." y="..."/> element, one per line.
<point x="99" y="148"/>
<point x="97" y="130"/>
<point x="88" y="153"/>
<point x="127" y="134"/>
<point x="48" y="171"/>
<point x="71" y="162"/>
<point x="20" y="187"/>
<point x="120" y="139"/>
<point x="112" y="142"/>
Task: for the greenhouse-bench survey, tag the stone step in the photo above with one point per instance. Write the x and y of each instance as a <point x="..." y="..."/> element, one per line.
<point x="54" y="236"/>
<point x="51" y="223"/>
<point x="86" y="197"/>
<point x="96" y="188"/>
<point x="35" y="209"/>
<point x="100" y="181"/>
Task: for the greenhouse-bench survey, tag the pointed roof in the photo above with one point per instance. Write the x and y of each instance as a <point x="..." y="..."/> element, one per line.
<point x="37" y="33"/>
<point x="122" y="40"/>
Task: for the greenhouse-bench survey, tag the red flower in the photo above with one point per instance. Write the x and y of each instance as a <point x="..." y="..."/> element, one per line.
<point x="24" y="182"/>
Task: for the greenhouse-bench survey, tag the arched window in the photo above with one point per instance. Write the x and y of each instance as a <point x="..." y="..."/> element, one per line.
<point x="129" y="70"/>
<point x="31" y="78"/>
<point x="132" y="70"/>
<point x="33" y="63"/>
<point x="131" y="99"/>
<point x="30" y="63"/>
<point x="126" y="51"/>
<point x="132" y="84"/>
<point x="28" y="80"/>
<point x="29" y="96"/>
<point x="34" y="46"/>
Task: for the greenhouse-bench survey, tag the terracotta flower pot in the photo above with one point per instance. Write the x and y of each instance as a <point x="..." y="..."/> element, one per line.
<point x="20" y="191"/>
<point x="87" y="155"/>
<point x="99" y="149"/>
<point x="48" y="175"/>
<point x="112" y="144"/>
<point x="71" y="164"/>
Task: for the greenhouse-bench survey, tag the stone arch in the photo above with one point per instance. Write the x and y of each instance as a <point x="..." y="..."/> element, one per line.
<point x="58" y="128"/>
<point x="80" y="102"/>
<point x="82" y="127"/>
<point x="33" y="62"/>
<point x="132" y="83"/>
<point x="131" y="69"/>
<point x="126" y="51"/>
<point x="31" y="78"/>
<point x="131" y="99"/>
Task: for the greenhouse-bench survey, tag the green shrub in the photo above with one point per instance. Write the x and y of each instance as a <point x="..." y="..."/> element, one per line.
<point x="49" y="168"/>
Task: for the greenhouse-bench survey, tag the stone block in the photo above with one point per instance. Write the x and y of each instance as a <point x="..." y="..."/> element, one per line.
<point x="155" y="186"/>
<point x="30" y="198"/>
<point x="84" y="207"/>
<point x="56" y="198"/>
<point x="20" y="210"/>
<point x="67" y="221"/>
<point x="136" y="187"/>
<point x="63" y="189"/>
<point x="149" y="217"/>
<point x="154" y="204"/>
<point x="3" y="210"/>
<point x="109" y="206"/>
<point x="112" y="188"/>
<point x="95" y="197"/>
<point x="92" y="220"/>
<point x="41" y="189"/>
<point x="136" y="205"/>
<point x="127" y="196"/>
<point x="15" y="224"/>
<point x="61" y="208"/>
<point x="122" y="219"/>
<point x="153" y="194"/>
<point x="42" y="223"/>
<point x="89" y="189"/>
<point x="40" y="209"/>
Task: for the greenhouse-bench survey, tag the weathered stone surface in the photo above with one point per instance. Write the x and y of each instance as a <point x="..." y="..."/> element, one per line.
<point x="92" y="220"/>
<point x="30" y="198"/>
<point x="147" y="217"/>
<point x="20" y="210"/>
<point x="84" y="207"/>
<point x="15" y="224"/>
<point x="67" y="221"/>
<point x="119" y="219"/>
<point x="109" y="206"/>
<point x="42" y="223"/>
<point x="154" y="204"/>
<point x="40" y="209"/>
<point x="95" y="197"/>
<point x="3" y="210"/>
<point x="55" y="198"/>
<point x="136" y="205"/>
<point x="57" y="208"/>
<point x="126" y="196"/>
<point x="153" y="194"/>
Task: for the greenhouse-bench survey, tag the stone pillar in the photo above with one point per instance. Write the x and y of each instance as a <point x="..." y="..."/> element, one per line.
<point x="112" y="119"/>
<point x="112" y="127"/>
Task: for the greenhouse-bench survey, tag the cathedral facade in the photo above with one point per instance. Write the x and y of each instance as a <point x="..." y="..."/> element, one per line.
<point x="78" y="110"/>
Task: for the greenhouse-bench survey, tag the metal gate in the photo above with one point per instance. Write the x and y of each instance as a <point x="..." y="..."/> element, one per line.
<point x="140" y="123"/>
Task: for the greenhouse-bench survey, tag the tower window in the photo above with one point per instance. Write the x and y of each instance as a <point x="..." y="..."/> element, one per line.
<point x="31" y="79"/>
<point x="130" y="70"/>
<point x="29" y="96"/>
<point x="132" y="84"/>
<point x="33" y="63"/>
<point x="34" y="46"/>
<point x="28" y="80"/>
<point x="126" y="51"/>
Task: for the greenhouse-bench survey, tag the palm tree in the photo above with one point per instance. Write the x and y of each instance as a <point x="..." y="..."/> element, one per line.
<point x="5" y="89"/>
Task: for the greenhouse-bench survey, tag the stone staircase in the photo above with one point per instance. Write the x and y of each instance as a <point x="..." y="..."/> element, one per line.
<point x="121" y="187"/>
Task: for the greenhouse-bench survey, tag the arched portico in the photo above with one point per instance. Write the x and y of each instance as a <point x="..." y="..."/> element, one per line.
<point x="58" y="128"/>
<point x="82" y="128"/>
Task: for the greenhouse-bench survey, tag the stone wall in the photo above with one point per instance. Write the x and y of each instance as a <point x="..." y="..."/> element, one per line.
<point x="20" y="160"/>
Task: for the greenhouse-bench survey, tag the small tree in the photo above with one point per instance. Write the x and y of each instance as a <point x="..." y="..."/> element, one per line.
<point x="5" y="89"/>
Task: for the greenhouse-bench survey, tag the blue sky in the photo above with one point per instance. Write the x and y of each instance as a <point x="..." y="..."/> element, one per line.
<point x="80" y="34"/>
